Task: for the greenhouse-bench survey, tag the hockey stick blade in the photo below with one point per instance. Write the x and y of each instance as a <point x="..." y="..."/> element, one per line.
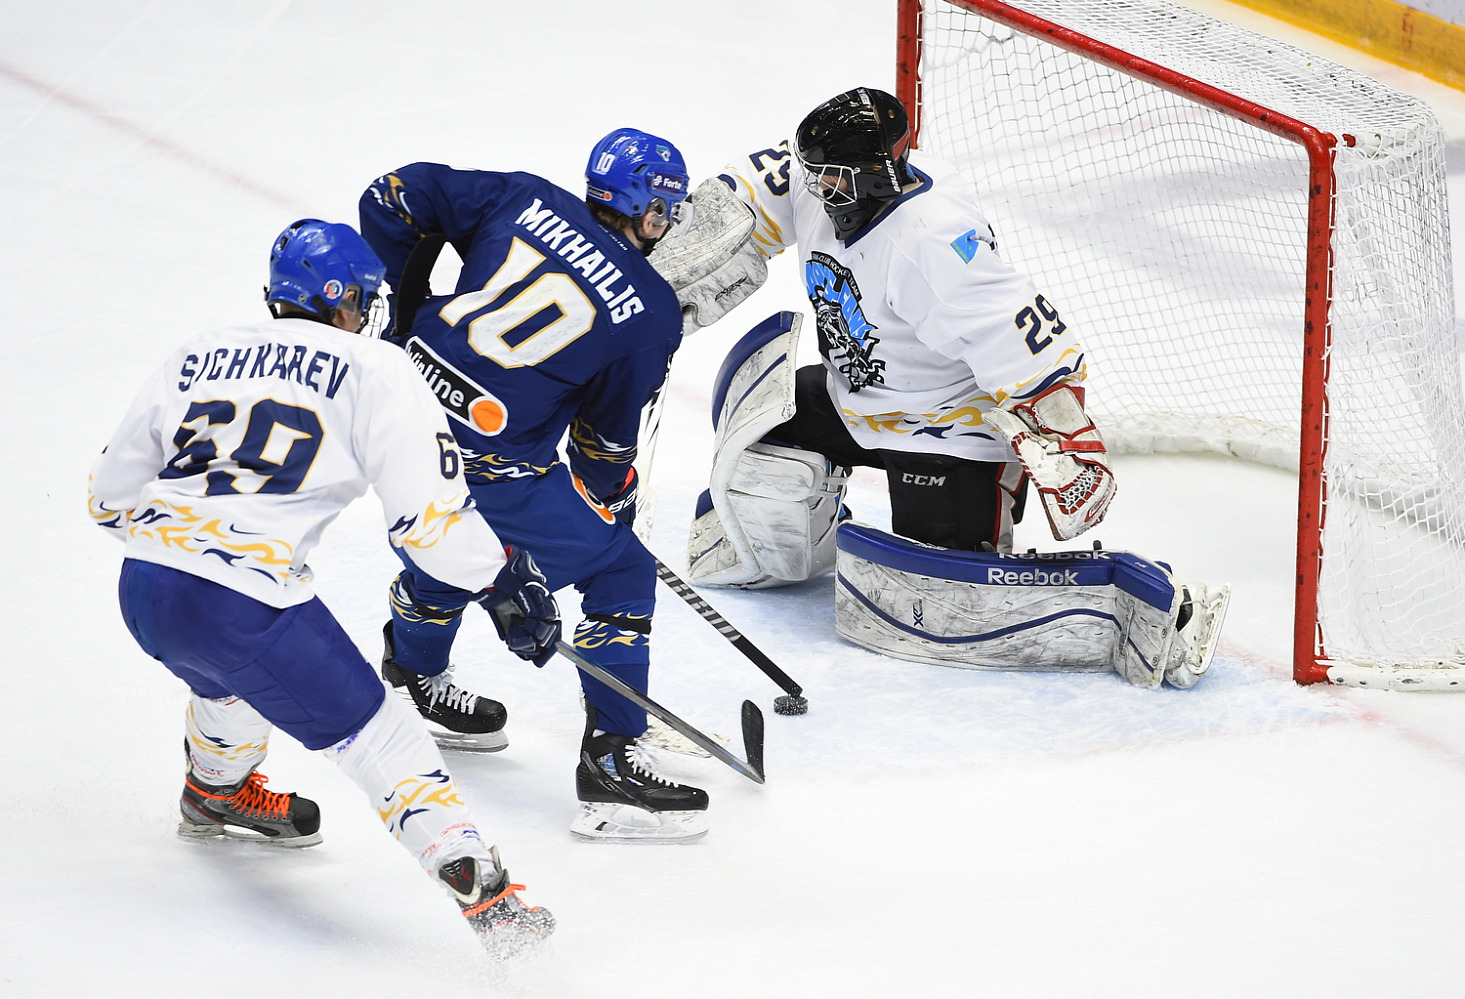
<point x="739" y="641"/>
<point x="751" y="768"/>
<point x="753" y="735"/>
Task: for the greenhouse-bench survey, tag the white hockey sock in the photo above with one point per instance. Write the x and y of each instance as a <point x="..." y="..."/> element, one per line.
<point x="226" y="738"/>
<point x="394" y="760"/>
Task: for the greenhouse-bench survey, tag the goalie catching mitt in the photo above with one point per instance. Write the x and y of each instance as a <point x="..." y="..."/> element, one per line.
<point x="1064" y="455"/>
<point x="712" y="263"/>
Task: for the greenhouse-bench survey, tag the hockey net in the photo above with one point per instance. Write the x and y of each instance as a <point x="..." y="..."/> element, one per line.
<point x="1254" y="243"/>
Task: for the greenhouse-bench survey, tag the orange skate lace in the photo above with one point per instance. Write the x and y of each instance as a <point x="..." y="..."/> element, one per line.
<point x="485" y="906"/>
<point x="253" y="798"/>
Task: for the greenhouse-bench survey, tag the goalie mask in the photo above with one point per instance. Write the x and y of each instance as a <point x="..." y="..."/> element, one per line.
<point x="315" y="264"/>
<point x="853" y="150"/>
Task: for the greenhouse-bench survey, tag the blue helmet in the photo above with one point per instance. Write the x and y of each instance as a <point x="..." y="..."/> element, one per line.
<point x="313" y="264"/>
<point x="629" y="169"/>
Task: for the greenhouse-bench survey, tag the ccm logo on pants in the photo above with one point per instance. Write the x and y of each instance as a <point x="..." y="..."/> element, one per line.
<point x="923" y="480"/>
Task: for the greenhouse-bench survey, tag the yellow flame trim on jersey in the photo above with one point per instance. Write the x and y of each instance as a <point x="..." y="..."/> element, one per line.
<point x="968" y="414"/>
<point x="434" y="523"/>
<point x="878" y="422"/>
<point x="496" y="466"/>
<point x="104" y="515"/>
<point x="1023" y="388"/>
<point x="598" y="448"/>
<point x="766" y="233"/>
<point x="187" y="531"/>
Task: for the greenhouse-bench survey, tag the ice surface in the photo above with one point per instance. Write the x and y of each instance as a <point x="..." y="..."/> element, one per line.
<point x="924" y="831"/>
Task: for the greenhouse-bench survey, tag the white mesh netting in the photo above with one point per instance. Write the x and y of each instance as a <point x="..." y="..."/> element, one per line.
<point x="1174" y="235"/>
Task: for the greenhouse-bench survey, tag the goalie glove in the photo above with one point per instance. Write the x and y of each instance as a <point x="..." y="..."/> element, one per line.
<point x="523" y="609"/>
<point x="1064" y="455"/>
<point x="711" y="263"/>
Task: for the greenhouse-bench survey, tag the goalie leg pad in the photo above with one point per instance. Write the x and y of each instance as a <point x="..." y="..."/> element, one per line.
<point x="769" y="512"/>
<point x="785" y="503"/>
<point x="1083" y="611"/>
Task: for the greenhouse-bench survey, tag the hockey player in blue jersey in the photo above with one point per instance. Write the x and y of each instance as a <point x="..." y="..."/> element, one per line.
<point x="233" y="458"/>
<point x="557" y="324"/>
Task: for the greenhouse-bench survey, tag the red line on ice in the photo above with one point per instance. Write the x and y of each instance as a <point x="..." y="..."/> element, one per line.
<point x="137" y="132"/>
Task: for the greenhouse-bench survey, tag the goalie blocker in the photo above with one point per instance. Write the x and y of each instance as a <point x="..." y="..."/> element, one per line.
<point x="1081" y="611"/>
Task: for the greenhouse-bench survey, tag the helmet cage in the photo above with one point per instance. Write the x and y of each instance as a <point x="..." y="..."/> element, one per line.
<point x="674" y="215"/>
<point x="834" y="184"/>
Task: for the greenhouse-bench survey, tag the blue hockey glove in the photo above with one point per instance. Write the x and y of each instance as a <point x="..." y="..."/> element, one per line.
<point x="523" y="609"/>
<point x="623" y="503"/>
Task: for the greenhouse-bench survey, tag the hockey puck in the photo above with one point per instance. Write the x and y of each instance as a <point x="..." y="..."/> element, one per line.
<point x="790" y="704"/>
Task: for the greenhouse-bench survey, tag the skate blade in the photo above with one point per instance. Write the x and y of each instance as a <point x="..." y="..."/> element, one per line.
<point x="213" y="831"/>
<point x="604" y="822"/>
<point x="510" y="942"/>
<point x="512" y="945"/>
<point x="1212" y="602"/>
<point x="468" y="742"/>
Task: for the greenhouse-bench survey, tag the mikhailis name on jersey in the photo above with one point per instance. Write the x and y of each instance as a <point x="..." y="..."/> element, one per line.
<point x="583" y="256"/>
<point x="324" y="372"/>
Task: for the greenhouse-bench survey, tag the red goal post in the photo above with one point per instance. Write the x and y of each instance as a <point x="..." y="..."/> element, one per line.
<point x="1256" y="242"/>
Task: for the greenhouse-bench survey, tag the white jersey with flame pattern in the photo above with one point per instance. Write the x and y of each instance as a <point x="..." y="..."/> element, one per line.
<point x="247" y="442"/>
<point x="922" y="326"/>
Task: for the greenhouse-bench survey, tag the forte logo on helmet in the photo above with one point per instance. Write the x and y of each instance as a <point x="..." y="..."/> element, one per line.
<point x="1032" y="577"/>
<point x="669" y="183"/>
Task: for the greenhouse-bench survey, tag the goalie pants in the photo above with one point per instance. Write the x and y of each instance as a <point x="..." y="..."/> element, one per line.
<point x="934" y="499"/>
<point x="574" y="543"/>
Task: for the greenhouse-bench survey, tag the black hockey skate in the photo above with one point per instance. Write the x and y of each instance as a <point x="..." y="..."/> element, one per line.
<point x="505" y="925"/>
<point x="625" y="800"/>
<point x="456" y="718"/>
<point x="247" y="811"/>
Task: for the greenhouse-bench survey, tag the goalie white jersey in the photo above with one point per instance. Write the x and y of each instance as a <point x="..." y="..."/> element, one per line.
<point x="248" y="442"/>
<point x="922" y="326"/>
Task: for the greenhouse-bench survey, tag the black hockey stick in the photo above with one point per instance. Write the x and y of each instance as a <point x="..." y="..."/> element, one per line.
<point x="795" y="703"/>
<point x="415" y="285"/>
<point x="751" y="768"/>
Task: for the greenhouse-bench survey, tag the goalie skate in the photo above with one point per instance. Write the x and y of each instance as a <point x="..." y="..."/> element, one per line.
<point x="1198" y="626"/>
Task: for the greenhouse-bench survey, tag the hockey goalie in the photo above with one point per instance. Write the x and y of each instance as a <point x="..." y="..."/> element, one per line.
<point x="944" y="366"/>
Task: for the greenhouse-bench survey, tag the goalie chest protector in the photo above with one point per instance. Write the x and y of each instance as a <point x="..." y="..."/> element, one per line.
<point x="1079" y="611"/>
